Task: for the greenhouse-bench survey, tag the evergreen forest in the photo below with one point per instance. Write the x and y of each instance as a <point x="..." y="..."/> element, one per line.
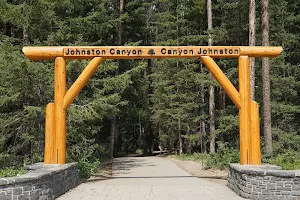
<point x="131" y="106"/>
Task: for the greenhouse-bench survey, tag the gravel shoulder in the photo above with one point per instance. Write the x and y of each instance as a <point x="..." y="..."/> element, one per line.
<point x="196" y="169"/>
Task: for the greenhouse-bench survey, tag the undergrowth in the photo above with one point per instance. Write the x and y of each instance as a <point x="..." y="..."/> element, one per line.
<point x="288" y="160"/>
<point x="11" y="171"/>
<point x="87" y="167"/>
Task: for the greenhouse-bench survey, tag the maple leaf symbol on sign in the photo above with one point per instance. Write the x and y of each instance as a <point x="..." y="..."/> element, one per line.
<point x="151" y="52"/>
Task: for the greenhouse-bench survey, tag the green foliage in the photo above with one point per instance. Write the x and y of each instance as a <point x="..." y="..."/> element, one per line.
<point x="11" y="171"/>
<point x="198" y="157"/>
<point x="223" y="157"/>
<point x="288" y="160"/>
<point x="88" y="167"/>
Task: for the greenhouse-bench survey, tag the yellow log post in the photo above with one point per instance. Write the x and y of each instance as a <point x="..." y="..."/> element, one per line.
<point x="81" y="81"/>
<point x="49" y="134"/>
<point x="60" y="112"/>
<point x="255" y="154"/>
<point x="245" y="111"/>
<point x="222" y="79"/>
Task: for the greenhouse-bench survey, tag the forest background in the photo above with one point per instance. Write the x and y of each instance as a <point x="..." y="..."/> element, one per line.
<point x="139" y="105"/>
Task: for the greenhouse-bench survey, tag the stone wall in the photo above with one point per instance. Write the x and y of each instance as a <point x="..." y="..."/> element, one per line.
<point x="264" y="182"/>
<point x="42" y="182"/>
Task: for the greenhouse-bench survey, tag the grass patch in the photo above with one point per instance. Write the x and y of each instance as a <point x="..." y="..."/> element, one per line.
<point x="198" y="157"/>
<point x="11" y="171"/>
<point x="219" y="160"/>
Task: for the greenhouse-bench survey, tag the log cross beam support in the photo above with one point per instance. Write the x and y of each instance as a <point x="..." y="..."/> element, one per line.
<point x="248" y="111"/>
<point x="55" y="130"/>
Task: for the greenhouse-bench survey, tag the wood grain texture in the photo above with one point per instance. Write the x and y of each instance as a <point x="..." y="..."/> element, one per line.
<point x="148" y="52"/>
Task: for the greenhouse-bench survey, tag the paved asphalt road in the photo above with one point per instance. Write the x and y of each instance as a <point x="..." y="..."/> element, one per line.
<point x="149" y="178"/>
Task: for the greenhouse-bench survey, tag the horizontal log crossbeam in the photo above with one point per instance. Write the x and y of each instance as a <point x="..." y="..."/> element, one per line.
<point x="148" y="52"/>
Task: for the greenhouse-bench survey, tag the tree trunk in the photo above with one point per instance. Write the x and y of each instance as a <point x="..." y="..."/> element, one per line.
<point x="25" y="35"/>
<point x="112" y="137"/>
<point x="209" y="22"/>
<point x="120" y="32"/>
<point x="266" y="79"/>
<point x="113" y="133"/>
<point x="212" y="119"/>
<point x="211" y="89"/>
<point x="202" y="121"/>
<point x="252" y="43"/>
<point x="222" y="99"/>
<point x="179" y="135"/>
<point x="149" y="91"/>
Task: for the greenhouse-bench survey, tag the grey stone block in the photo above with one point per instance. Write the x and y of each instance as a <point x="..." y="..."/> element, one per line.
<point x="284" y="188"/>
<point x="18" y="191"/>
<point x="280" y="183"/>
<point x="296" y="187"/>
<point x="28" y="188"/>
<point x="278" y="197"/>
<point x="24" y="197"/>
<point x="295" y="193"/>
<point x="281" y="173"/>
<point x="6" y="197"/>
<point x="292" y="198"/>
<point x="3" y="181"/>
<point x="271" y="186"/>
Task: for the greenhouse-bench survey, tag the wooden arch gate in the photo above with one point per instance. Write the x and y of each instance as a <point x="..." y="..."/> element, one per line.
<point x="55" y="130"/>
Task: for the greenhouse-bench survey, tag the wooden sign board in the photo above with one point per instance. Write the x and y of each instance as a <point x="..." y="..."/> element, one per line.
<point x="148" y="52"/>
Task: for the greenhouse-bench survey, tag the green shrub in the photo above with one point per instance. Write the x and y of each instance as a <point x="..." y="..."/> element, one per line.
<point x="86" y="167"/>
<point x="223" y="157"/>
<point x="288" y="160"/>
<point x="11" y="171"/>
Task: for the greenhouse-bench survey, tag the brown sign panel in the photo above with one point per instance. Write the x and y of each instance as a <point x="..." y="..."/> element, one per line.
<point x="148" y="52"/>
<point x="151" y="52"/>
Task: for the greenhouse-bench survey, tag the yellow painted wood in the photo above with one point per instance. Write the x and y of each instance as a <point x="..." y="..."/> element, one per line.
<point x="81" y="81"/>
<point x="60" y="112"/>
<point x="140" y="52"/>
<point x="222" y="79"/>
<point x="49" y="134"/>
<point x="245" y="111"/>
<point x="255" y="154"/>
<point x="55" y="138"/>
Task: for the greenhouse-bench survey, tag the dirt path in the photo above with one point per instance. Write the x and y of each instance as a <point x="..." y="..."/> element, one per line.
<point x="151" y="178"/>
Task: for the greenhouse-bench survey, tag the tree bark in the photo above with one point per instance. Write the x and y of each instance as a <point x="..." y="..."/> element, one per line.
<point x="266" y="79"/>
<point x="113" y="132"/>
<point x="179" y="136"/>
<point x="212" y="119"/>
<point x="211" y="89"/>
<point x="202" y="121"/>
<point x="25" y="27"/>
<point x="120" y="32"/>
<point x="222" y="100"/>
<point x="252" y="41"/>
<point x="112" y="137"/>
